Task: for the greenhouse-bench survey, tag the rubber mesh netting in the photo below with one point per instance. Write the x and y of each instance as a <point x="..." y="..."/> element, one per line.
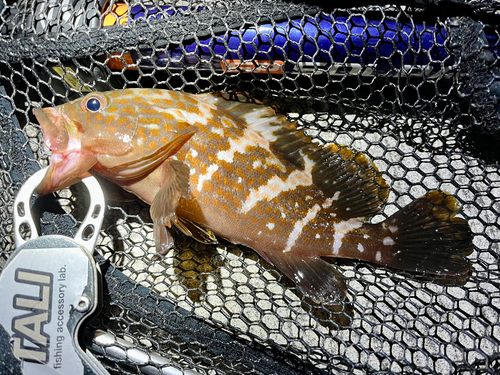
<point x="414" y="85"/>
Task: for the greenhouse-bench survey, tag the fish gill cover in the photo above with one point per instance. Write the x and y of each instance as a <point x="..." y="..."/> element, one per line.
<point x="412" y="85"/>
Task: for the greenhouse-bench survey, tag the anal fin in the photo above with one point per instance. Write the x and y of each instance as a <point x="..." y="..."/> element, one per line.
<point x="317" y="279"/>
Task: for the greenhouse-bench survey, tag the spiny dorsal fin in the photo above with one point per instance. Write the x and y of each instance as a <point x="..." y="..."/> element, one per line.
<point x="243" y="107"/>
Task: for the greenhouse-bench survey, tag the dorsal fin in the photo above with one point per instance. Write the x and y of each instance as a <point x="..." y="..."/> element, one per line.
<point x="362" y="187"/>
<point x="349" y="177"/>
<point x="243" y="107"/>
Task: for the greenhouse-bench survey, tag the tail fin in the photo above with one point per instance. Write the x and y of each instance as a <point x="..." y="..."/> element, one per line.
<point x="426" y="236"/>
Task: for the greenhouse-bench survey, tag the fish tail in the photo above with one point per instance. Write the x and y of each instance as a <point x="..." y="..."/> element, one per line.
<point x="425" y="236"/>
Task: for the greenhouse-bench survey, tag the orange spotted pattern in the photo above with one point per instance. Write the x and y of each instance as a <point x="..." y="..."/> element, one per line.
<point x="238" y="186"/>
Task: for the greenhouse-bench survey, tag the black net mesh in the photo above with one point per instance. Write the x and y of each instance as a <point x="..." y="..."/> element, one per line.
<point x="414" y="85"/>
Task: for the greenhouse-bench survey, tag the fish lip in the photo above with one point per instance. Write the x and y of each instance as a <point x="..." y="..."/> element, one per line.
<point x="58" y="163"/>
<point x="54" y="127"/>
<point x="46" y="186"/>
<point x="41" y="116"/>
<point x="43" y="119"/>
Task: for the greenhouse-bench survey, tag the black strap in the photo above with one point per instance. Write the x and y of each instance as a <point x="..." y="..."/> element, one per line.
<point x="180" y="324"/>
<point x="181" y="27"/>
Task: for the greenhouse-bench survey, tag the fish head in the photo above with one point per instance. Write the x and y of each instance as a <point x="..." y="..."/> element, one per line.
<point x="69" y="130"/>
<point x="121" y="134"/>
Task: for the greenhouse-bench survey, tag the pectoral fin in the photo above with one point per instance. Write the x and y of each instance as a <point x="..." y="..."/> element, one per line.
<point x="163" y="238"/>
<point x="167" y="199"/>
<point x="142" y="167"/>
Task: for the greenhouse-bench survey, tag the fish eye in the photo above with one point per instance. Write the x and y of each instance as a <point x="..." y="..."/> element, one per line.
<point x="94" y="103"/>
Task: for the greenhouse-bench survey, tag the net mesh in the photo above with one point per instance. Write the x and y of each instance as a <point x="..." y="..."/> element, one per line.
<point x="414" y="86"/>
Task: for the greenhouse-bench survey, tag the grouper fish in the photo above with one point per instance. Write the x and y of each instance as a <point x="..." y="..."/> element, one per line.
<point x="215" y="166"/>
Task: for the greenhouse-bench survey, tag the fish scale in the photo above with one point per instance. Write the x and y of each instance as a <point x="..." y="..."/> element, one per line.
<point x="230" y="167"/>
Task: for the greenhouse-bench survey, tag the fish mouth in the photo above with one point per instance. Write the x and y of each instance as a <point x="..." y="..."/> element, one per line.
<point x="65" y="167"/>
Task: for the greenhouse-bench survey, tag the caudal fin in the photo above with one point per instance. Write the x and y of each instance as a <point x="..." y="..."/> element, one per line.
<point x="426" y="236"/>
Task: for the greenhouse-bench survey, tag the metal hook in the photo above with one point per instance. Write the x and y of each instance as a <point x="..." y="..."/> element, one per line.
<point x="92" y="222"/>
